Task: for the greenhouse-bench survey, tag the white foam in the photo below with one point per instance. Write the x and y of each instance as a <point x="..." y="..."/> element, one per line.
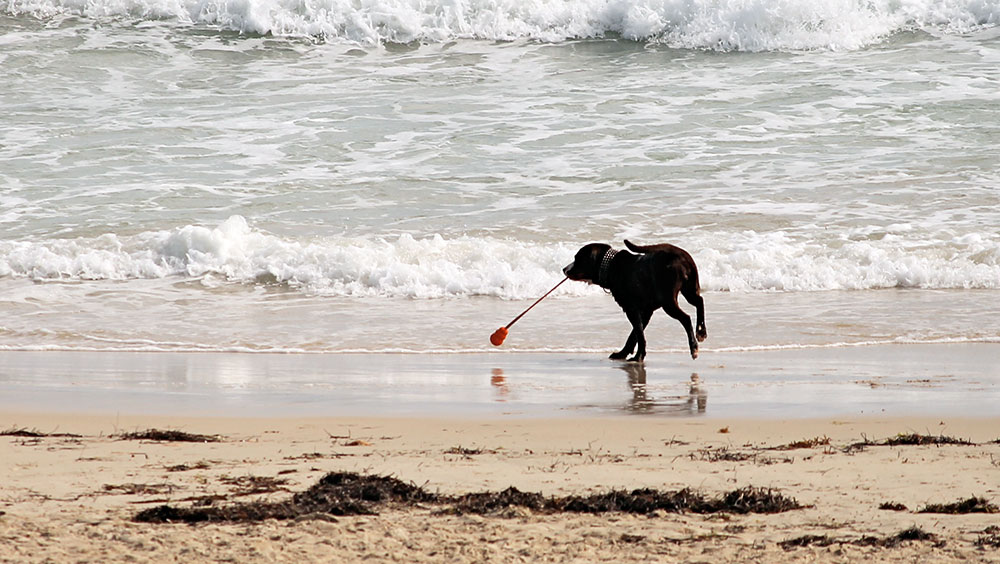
<point x="745" y="25"/>
<point x="466" y="266"/>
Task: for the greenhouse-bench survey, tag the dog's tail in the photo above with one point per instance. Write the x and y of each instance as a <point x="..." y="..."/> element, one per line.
<point x="638" y="248"/>
<point x="648" y="249"/>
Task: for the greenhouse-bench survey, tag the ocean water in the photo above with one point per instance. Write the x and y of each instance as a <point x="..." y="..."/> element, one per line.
<point x="337" y="176"/>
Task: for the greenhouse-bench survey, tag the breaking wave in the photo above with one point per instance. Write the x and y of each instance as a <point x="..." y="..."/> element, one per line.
<point x="467" y="266"/>
<point x="726" y="25"/>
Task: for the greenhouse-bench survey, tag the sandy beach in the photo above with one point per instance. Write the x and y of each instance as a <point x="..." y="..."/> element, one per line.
<point x="73" y="485"/>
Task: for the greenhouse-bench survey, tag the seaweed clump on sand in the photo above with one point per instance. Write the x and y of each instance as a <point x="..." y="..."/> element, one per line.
<point x="990" y="537"/>
<point x="971" y="505"/>
<point x="647" y="501"/>
<point x="891" y="541"/>
<point x="918" y="439"/>
<point x="342" y="493"/>
<point x="24" y="432"/>
<point x="909" y="439"/>
<point x="168" y="436"/>
<point x="336" y="494"/>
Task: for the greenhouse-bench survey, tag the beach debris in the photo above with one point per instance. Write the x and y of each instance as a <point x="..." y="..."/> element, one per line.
<point x="252" y="485"/>
<point x="970" y="505"/>
<point x="167" y="436"/>
<point x="137" y="489"/>
<point x="464" y="451"/>
<point x="918" y="439"/>
<point x="725" y="455"/>
<point x="910" y="439"/>
<point x="200" y="465"/>
<point x="989" y="537"/>
<point x="805" y="443"/>
<point x="24" y="432"/>
<point x="892" y="506"/>
<point x="357" y="443"/>
<point x="345" y="493"/>
<point x="891" y="541"/>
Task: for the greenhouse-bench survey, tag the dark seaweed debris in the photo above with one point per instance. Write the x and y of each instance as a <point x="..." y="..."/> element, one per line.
<point x="911" y="439"/>
<point x="918" y="439"/>
<point x="24" y="432"/>
<point x="990" y="537"/>
<point x="891" y="541"/>
<point x="892" y="506"/>
<point x="168" y="436"/>
<point x="341" y="493"/>
<point x="971" y="505"/>
<point x="805" y="443"/>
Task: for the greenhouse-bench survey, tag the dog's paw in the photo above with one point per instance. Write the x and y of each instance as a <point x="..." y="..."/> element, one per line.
<point x="637" y="358"/>
<point x="702" y="334"/>
<point x="694" y="354"/>
<point x="618" y="355"/>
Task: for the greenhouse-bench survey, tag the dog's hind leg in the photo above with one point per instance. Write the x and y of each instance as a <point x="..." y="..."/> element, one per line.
<point x="693" y="296"/>
<point x="674" y="310"/>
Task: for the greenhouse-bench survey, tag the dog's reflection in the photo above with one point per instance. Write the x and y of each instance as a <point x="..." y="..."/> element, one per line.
<point x="693" y="403"/>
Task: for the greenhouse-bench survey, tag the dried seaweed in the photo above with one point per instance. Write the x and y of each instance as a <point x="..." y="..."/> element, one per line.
<point x="725" y="455"/>
<point x="342" y="493"/>
<point x="918" y="439"/>
<point x="805" y="443"/>
<point x="251" y="485"/>
<point x="201" y="465"/>
<point x="808" y="540"/>
<point x="167" y="436"/>
<point x="909" y="439"/>
<point x="24" y="432"/>
<point x="721" y="455"/>
<point x="891" y="541"/>
<point x="460" y="450"/>
<point x="137" y="489"/>
<point x="971" y="505"/>
<point x="892" y="506"/>
<point x="990" y="537"/>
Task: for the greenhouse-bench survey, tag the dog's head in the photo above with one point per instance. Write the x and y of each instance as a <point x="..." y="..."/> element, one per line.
<point x="586" y="265"/>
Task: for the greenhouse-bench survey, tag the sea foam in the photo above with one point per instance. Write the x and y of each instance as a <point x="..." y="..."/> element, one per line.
<point x="466" y="266"/>
<point x="743" y="25"/>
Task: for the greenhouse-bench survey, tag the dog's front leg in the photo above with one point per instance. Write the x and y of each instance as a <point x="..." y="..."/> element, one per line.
<point x="627" y="349"/>
<point x="639" y="321"/>
<point x="633" y="337"/>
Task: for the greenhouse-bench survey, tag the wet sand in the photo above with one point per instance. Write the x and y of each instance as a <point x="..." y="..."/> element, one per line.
<point x="891" y="380"/>
<point x="72" y="495"/>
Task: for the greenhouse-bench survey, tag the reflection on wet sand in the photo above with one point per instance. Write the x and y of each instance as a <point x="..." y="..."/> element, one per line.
<point x="693" y="403"/>
<point x="499" y="383"/>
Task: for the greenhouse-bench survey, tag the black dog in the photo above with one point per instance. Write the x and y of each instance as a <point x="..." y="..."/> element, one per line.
<point x="641" y="283"/>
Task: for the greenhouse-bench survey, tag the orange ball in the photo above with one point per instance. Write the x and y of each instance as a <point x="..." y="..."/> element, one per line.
<point x="498" y="336"/>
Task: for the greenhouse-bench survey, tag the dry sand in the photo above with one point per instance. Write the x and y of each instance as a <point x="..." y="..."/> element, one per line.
<point x="72" y="498"/>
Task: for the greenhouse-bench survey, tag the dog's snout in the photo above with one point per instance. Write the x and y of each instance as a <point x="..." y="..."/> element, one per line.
<point x="568" y="268"/>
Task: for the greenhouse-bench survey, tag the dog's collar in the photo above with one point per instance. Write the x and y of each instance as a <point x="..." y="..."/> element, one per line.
<point x="602" y="274"/>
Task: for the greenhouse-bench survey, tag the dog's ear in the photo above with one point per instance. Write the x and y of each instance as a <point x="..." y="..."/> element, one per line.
<point x="597" y="252"/>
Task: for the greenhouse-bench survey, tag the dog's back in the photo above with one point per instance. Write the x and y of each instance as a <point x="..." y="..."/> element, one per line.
<point x="681" y="259"/>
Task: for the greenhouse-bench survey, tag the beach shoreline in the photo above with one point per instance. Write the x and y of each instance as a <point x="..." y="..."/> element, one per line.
<point x="923" y="379"/>
<point x="73" y="491"/>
